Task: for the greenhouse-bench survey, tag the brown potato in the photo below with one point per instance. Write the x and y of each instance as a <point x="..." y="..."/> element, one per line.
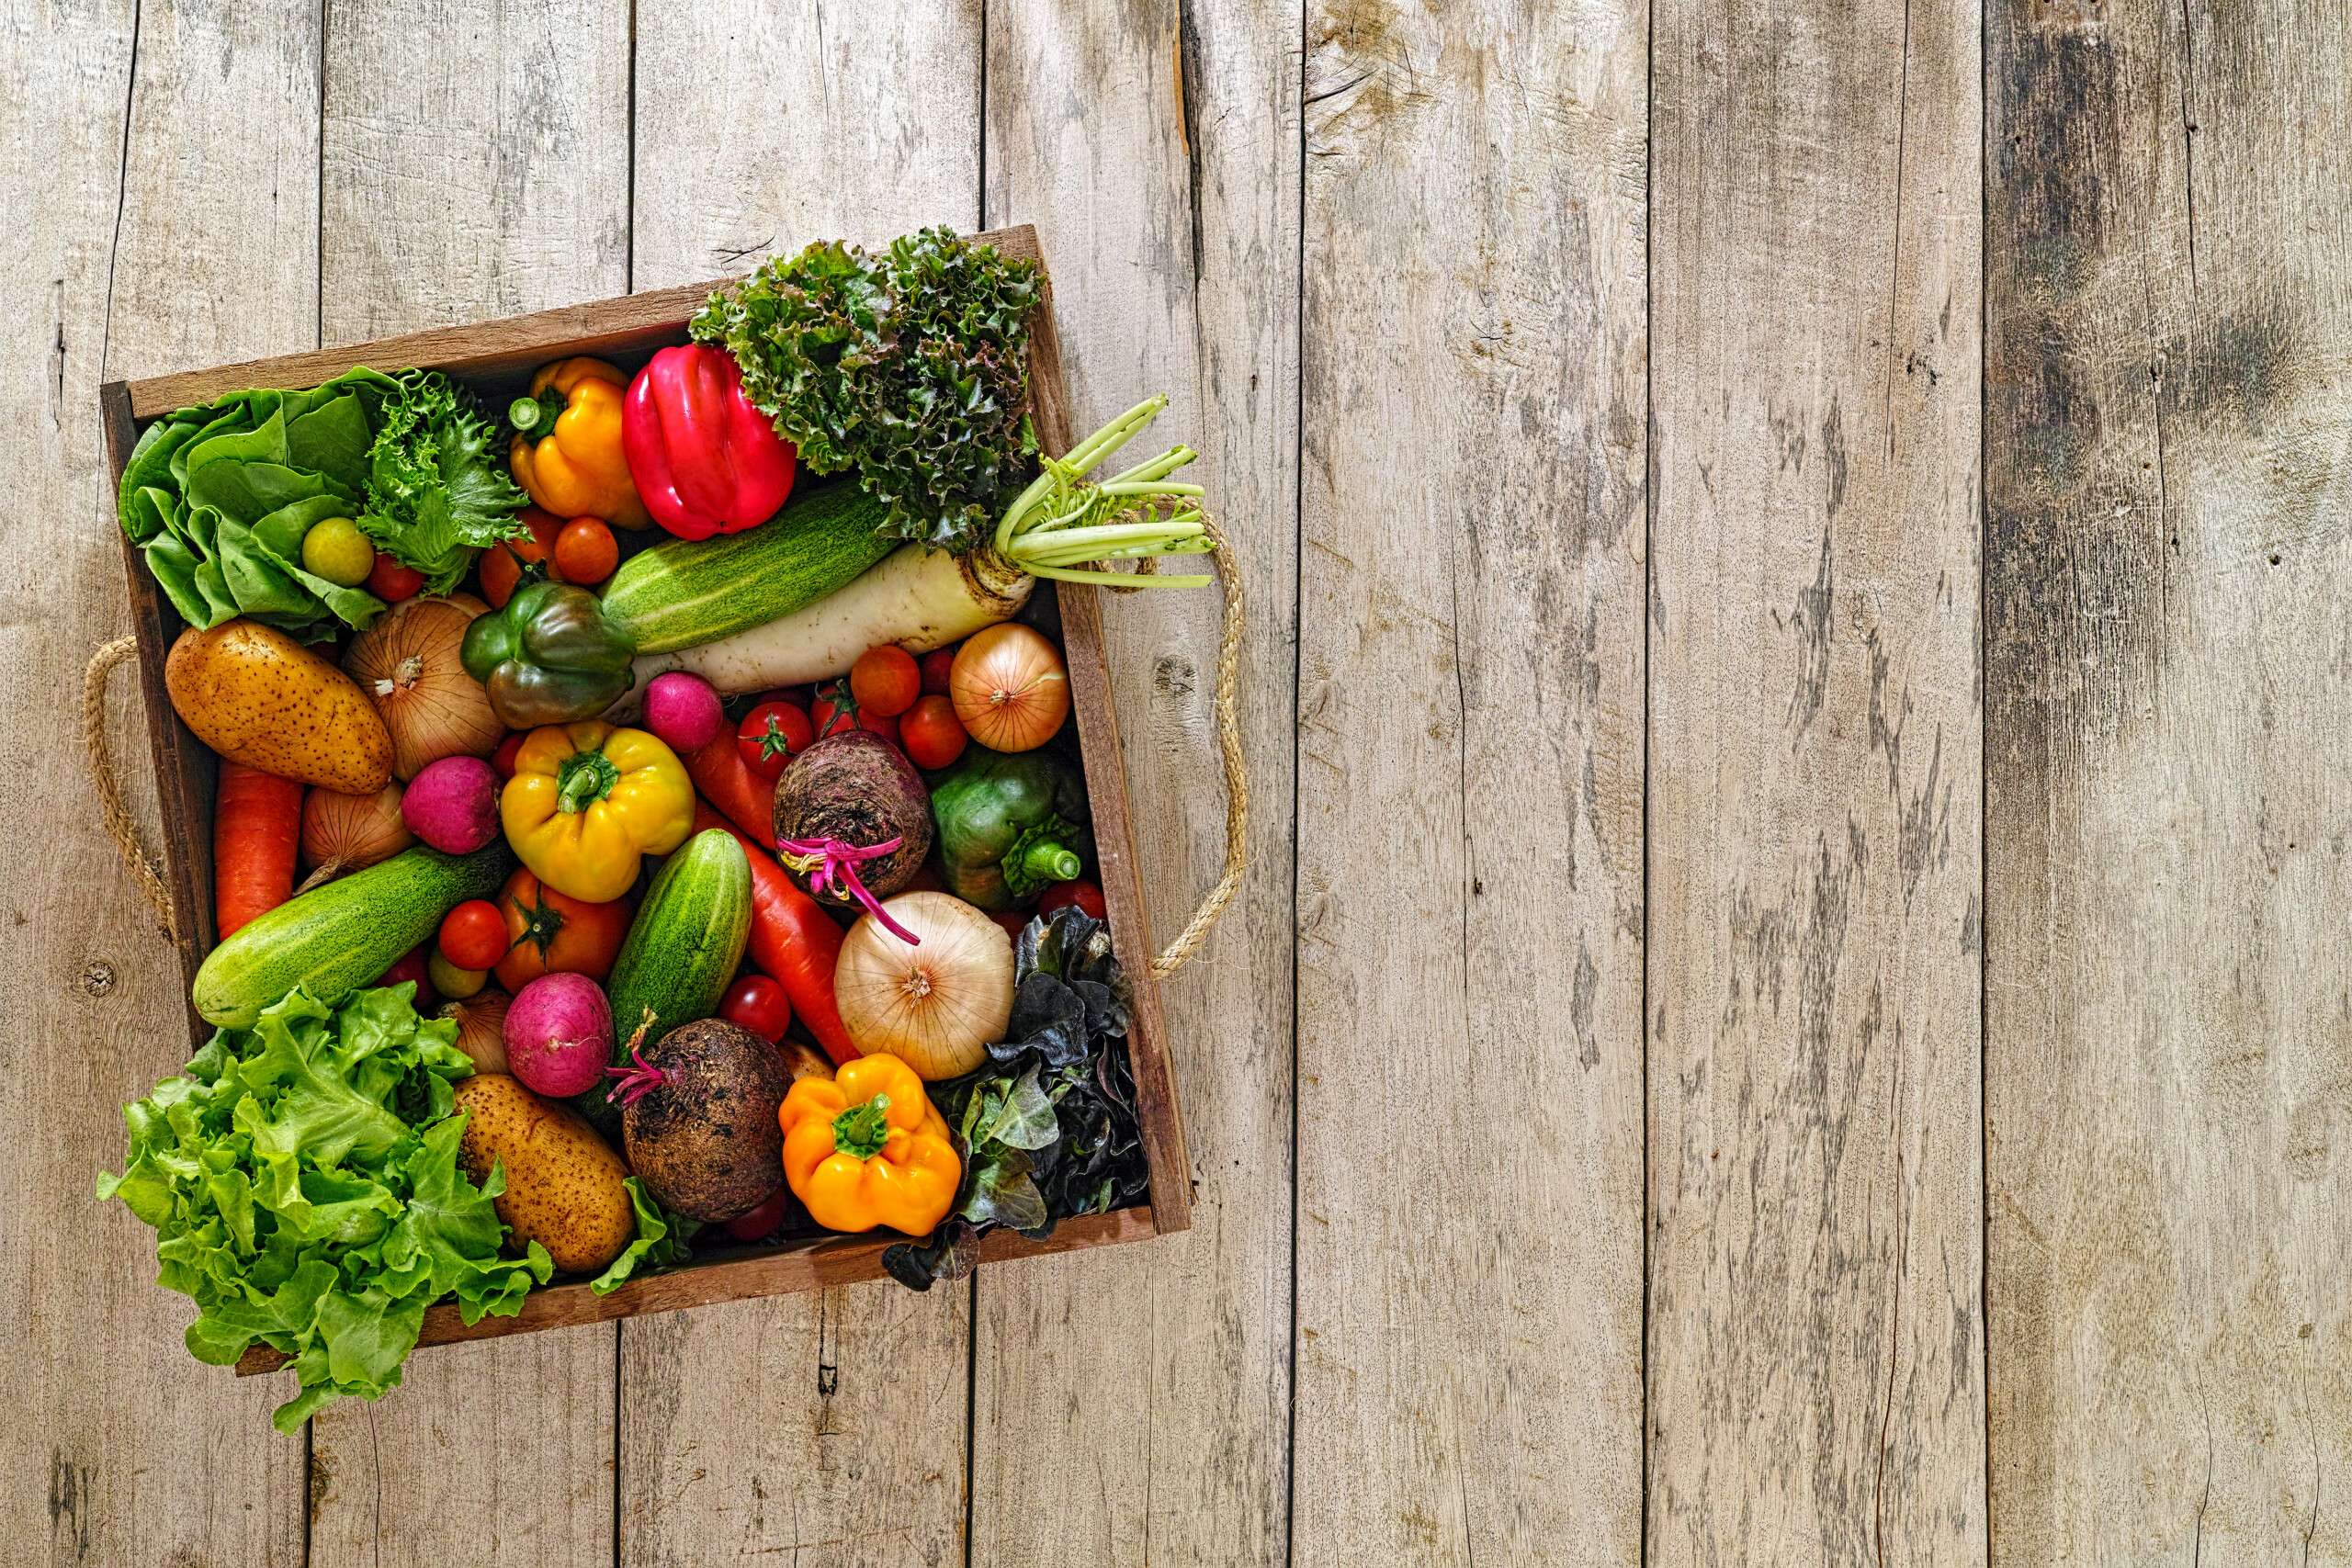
<point x="258" y="698"/>
<point x="564" y="1183"/>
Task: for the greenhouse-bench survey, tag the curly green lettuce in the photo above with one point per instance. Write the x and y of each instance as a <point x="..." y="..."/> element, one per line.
<point x="437" y="484"/>
<point x="303" y="1183"/>
<point x="912" y="368"/>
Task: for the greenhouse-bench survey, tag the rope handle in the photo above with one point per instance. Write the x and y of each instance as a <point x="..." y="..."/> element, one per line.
<point x="1228" y="741"/>
<point x="121" y="650"/>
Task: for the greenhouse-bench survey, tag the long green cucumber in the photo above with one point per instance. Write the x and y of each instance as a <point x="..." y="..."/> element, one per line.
<point x="338" y="937"/>
<point x="686" y="592"/>
<point x="681" y="952"/>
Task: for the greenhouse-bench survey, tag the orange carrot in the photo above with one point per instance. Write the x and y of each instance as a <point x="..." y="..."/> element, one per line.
<point x="724" y="779"/>
<point x="256" y="827"/>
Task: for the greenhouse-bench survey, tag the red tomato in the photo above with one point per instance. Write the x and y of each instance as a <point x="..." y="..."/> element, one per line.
<point x="798" y="697"/>
<point x="547" y="932"/>
<point x="1012" y="921"/>
<point x="885" y="680"/>
<point x="1085" y="894"/>
<point x="931" y="733"/>
<point x="501" y="761"/>
<point x="412" y="967"/>
<point x="758" y="1004"/>
<point x="836" y="712"/>
<point x="771" y="736"/>
<point x="585" y="551"/>
<point x="757" y="1224"/>
<point x="473" y="935"/>
<point x="502" y="565"/>
<point x="935" y="667"/>
<point x="390" y="580"/>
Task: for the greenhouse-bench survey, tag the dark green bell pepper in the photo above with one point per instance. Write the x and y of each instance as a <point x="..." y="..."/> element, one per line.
<point x="1009" y="826"/>
<point x="550" y="657"/>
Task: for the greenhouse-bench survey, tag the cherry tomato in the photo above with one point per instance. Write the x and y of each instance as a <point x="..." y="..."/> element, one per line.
<point x="450" y="980"/>
<point x="585" y="551"/>
<point x="935" y="667"/>
<point x="502" y="565"/>
<point x="390" y="580"/>
<point x="473" y="935"/>
<point x="771" y="736"/>
<point x="501" y="761"/>
<point x="885" y="680"/>
<point x="758" y="1225"/>
<point x="836" y="712"/>
<point x="1085" y="894"/>
<point x="798" y="697"/>
<point x="931" y="733"/>
<point x="1012" y="921"/>
<point x="412" y="967"/>
<point x="758" y="1004"/>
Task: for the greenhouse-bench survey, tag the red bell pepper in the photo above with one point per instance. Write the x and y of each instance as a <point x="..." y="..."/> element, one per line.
<point x="704" y="460"/>
<point x="794" y="942"/>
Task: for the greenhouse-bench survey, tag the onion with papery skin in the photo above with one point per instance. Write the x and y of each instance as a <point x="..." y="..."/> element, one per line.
<point x="343" y="833"/>
<point x="481" y="1027"/>
<point x="407" y="663"/>
<point x="935" y="1005"/>
<point x="1010" y="687"/>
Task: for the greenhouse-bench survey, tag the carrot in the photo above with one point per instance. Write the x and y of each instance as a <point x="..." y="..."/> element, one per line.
<point x="255" y="825"/>
<point x="748" y="801"/>
<point x="794" y="942"/>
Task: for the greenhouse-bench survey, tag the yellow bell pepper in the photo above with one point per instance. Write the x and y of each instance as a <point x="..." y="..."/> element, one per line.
<point x="587" y="799"/>
<point x="567" y="455"/>
<point x="866" y="1148"/>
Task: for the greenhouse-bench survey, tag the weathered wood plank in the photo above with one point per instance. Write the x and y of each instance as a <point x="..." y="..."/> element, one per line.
<point x="1470" y="786"/>
<point x="150" y="218"/>
<point x="484" y="174"/>
<point x="1132" y="1406"/>
<point x="1815" y="1375"/>
<point x="2168" y="443"/>
<point x="829" y="1426"/>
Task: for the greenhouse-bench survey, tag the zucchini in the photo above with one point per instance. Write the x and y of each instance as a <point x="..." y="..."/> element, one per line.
<point x="680" y="952"/>
<point x="685" y="593"/>
<point x="336" y="938"/>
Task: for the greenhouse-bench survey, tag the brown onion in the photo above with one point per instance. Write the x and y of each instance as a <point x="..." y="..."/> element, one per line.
<point x="935" y="1004"/>
<point x="1010" y="687"/>
<point x="481" y="1027"/>
<point x="407" y="663"/>
<point x="350" y="832"/>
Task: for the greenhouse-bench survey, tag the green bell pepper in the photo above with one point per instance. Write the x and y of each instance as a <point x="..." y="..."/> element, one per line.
<point x="550" y="657"/>
<point x="1010" y="825"/>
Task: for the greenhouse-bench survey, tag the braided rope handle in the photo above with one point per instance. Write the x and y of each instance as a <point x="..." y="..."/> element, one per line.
<point x="118" y="817"/>
<point x="1228" y="742"/>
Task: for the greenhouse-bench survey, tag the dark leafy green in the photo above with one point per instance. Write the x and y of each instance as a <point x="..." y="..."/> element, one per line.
<point x="437" y="484"/>
<point x="910" y="367"/>
<point x="302" y="1179"/>
<point x="661" y="1238"/>
<point x="1047" y="1129"/>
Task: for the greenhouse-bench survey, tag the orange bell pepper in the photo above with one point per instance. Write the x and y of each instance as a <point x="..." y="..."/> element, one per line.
<point x="866" y="1148"/>
<point x="567" y="454"/>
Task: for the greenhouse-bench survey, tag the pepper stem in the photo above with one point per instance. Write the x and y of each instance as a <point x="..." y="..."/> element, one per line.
<point x="1039" y="856"/>
<point x="862" y="1130"/>
<point x="582" y="779"/>
<point x="535" y="416"/>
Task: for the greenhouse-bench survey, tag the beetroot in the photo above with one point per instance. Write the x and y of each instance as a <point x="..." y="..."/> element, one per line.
<point x="452" y="804"/>
<point x="683" y="710"/>
<point x="560" y="1035"/>
<point x="699" y="1119"/>
<point x="842" y="800"/>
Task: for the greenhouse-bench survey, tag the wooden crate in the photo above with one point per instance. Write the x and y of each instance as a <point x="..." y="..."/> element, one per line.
<point x="496" y="359"/>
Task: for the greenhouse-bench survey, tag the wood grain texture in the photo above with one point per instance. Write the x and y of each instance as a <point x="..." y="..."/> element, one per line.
<point x="828" y="1427"/>
<point x="157" y="193"/>
<point x="2168" y="447"/>
<point x="1132" y="1406"/>
<point x="486" y="173"/>
<point x="1470" y="898"/>
<point x="1815" y="1351"/>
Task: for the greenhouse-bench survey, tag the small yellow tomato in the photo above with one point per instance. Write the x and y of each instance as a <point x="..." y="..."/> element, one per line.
<point x="336" y="550"/>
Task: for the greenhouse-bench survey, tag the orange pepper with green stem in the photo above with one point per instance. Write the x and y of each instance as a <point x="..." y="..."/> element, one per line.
<point x="866" y="1148"/>
<point x="567" y="454"/>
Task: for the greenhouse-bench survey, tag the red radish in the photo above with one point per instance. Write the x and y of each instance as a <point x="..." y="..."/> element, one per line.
<point x="757" y="1224"/>
<point x="683" y="710"/>
<point x="560" y="1035"/>
<point x="255" y="825"/>
<point x="452" y="804"/>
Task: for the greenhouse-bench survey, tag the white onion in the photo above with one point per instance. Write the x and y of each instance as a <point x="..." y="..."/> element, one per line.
<point x="935" y="1005"/>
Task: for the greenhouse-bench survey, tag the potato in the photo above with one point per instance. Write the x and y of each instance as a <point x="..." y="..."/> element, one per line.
<point x="564" y="1183"/>
<point x="258" y="698"/>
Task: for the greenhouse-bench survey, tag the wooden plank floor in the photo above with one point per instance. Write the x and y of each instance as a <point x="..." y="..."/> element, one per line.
<point x="1791" y="1003"/>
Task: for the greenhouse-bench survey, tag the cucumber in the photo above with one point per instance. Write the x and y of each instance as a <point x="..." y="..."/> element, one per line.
<point x="336" y="938"/>
<point x="686" y="592"/>
<point x="680" y="954"/>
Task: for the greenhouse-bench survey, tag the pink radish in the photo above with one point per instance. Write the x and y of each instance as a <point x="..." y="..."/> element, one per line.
<point x="683" y="710"/>
<point x="560" y="1035"/>
<point x="452" y="804"/>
